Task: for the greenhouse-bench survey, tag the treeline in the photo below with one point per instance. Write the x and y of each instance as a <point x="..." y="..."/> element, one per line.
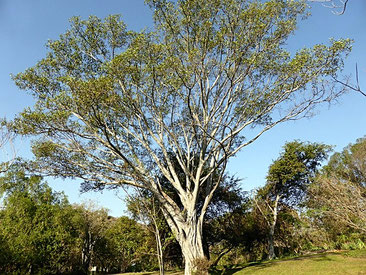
<point x="42" y="233"/>
<point x="302" y="207"/>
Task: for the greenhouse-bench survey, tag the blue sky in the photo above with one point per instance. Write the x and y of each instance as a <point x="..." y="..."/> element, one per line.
<point x="25" y="27"/>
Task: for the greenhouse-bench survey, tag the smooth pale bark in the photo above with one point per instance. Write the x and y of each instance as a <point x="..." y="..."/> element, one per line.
<point x="191" y="244"/>
<point x="187" y="228"/>
<point x="159" y="248"/>
<point x="271" y="222"/>
<point x="271" y="252"/>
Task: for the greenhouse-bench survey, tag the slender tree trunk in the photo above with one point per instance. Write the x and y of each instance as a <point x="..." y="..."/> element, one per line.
<point x="223" y="253"/>
<point x="271" y="252"/>
<point x="159" y="248"/>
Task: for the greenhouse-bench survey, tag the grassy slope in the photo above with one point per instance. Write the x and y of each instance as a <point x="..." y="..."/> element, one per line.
<point x="352" y="262"/>
<point x="347" y="262"/>
<point x="152" y="273"/>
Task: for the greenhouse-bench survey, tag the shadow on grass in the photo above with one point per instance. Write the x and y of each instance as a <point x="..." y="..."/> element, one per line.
<point x="228" y="270"/>
<point x="317" y="257"/>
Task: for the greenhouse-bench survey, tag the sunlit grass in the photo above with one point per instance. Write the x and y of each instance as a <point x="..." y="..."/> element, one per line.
<point x="345" y="262"/>
<point x="350" y="262"/>
<point x="154" y="273"/>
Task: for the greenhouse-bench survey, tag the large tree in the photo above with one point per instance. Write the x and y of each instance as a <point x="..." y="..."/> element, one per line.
<point x="117" y="107"/>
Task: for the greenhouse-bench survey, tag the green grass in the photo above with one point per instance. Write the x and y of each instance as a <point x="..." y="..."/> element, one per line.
<point x="343" y="262"/>
<point x="350" y="262"/>
<point x="153" y="273"/>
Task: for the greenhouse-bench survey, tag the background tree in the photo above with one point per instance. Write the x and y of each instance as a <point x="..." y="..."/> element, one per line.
<point x="144" y="208"/>
<point x="92" y="225"/>
<point x="339" y="192"/>
<point x="128" y="243"/>
<point x="211" y="77"/>
<point x="231" y="231"/>
<point x="287" y="181"/>
<point x="36" y="229"/>
<point x="41" y="233"/>
<point x="6" y="139"/>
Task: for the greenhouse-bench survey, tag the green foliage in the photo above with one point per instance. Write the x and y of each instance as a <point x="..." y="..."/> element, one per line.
<point x="350" y="164"/>
<point x="41" y="233"/>
<point x="98" y="79"/>
<point x="284" y="193"/>
<point x="36" y="232"/>
<point x="337" y="197"/>
<point x="128" y="242"/>
<point x="290" y="175"/>
<point x="144" y="208"/>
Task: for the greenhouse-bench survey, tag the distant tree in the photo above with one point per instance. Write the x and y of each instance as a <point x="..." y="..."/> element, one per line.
<point x="339" y="193"/>
<point x="227" y="203"/>
<point x="36" y="232"/>
<point x="287" y="181"/>
<point x="229" y="231"/>
<point x="144" y="208"/>
<point x="6" y="138"/>
<point x="127" y="241"/>
<point x="92" y="223"/>
<point x="210" y="79"/>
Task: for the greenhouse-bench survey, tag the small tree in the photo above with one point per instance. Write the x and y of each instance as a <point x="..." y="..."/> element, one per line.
<point x="144" y="208"/>
<point x="287" y="181"/>
<point x="117" y="107"/>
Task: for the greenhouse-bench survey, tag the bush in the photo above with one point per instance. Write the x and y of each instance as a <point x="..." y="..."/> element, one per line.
<point x="201" y="266"/>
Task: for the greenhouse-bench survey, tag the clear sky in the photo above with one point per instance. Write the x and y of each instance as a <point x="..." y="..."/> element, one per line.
<point x="25" y="27"/>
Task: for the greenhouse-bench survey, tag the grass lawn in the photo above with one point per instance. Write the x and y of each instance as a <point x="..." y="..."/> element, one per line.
<point x="347" y="262"/>
<point x="343" y="262"/>
<point x="153" y="273"/>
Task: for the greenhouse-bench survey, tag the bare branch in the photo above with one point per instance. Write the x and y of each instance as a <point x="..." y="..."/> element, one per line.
<point x="341" y="6"/>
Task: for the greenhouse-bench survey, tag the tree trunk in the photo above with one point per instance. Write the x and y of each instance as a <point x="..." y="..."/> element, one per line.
<point x="223" y="253"/>
<point x="186" y="226"/>
<point x="190" y="238"/>
<point x="159" y="248"/>
<point x="192" y="248"/>
<point x="271" y="252"/>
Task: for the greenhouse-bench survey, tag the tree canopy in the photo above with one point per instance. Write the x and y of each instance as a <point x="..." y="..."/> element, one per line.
<point x="339" y="192"/>
<point x="291" y="174"/>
